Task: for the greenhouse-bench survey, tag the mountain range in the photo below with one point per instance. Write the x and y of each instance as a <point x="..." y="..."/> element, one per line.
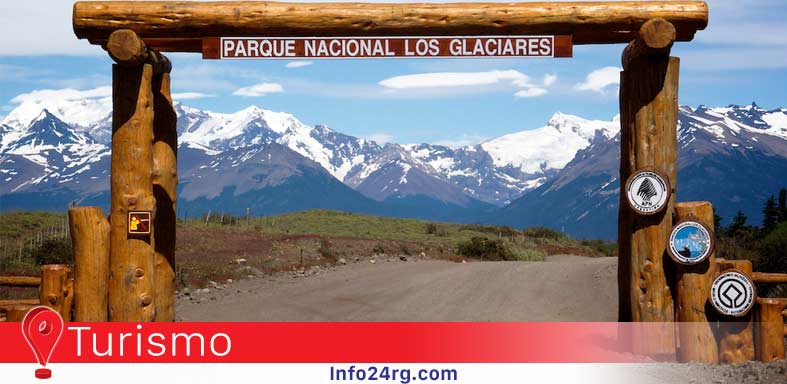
<point x="562" y="175"/>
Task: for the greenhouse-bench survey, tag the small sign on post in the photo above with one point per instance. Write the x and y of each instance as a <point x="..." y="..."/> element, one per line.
<point x="139" y="223"/>
<point x="733" y="293"/>
<point x="647" y="191"/>
<point x="690" y="242"/>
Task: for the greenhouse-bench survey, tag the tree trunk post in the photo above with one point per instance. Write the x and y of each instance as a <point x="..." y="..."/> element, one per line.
<point x="165" y="184"/>
<point x="697" y="342"/>
<point x="648" y="119"/>
<point x="57" y="289"/>
<point x="89" y="230"/>
<point x="132" y="260"/>
<point x="16" y="313"/>
<point x="770" y="329"/>
<point x="736" y="335"/>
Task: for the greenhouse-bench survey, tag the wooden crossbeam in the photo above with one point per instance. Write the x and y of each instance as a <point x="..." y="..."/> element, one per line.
<point x="769" y="278"/>
<point x="178" y="26"/>
<point x="20" y="281"/>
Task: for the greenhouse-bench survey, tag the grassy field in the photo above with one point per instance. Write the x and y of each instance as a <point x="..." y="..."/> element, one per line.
<point x="222" y="247"/>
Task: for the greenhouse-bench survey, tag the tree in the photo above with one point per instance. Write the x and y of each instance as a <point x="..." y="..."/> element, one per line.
<point x="716" y="222"/>
<point x="783" y="205"/>
<point x="770" y="214"/>
<point x="738" y="224"/>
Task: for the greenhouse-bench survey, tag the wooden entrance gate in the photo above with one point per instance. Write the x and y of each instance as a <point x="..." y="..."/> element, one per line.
<point x="125" y="266"/>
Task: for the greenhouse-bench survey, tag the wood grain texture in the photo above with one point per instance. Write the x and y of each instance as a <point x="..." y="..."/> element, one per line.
<point x="692" y="287"/>
<point x="132" y="260"/>
<point x="5" y="303"/>
<point x="770" y="329"/>
<point x="655" y="38"/>
<point x="589" y="22"/>
<point x="20" y="281"/>
<point x="165" y="184"/>
<point x="16" y="313"/>
<point x="57" y="289"/>
<point x="736" y="334"/>
<point x="648" y="118"/>
<point x="769" y="278"/>
<point x="90" y="240"/>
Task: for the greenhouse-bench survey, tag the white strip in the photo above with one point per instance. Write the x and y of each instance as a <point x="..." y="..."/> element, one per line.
<point x="320" y="373"/>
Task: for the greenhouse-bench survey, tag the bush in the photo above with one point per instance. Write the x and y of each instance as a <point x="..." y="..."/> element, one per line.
<point x="529" y="254"/>
<point x="54" y="251"/>
<point x="326" y="250"/>
<point x="490" y="229"/>
<point x="485" y="249"/>
<point x="378" y="249"/>
<point x="430" y="228"/>
<point x="772" y="251"/>
<point x="543" y="233"/>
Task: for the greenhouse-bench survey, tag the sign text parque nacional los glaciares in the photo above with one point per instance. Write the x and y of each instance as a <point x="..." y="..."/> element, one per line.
<point x="386" y="47"/>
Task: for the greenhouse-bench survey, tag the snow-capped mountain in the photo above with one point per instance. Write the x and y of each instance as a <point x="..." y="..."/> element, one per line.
<point x="59" y="151"/>
<point x="734" y="156"/>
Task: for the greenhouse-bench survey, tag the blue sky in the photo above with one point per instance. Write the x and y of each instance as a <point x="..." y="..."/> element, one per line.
<point x="741" y="57"/>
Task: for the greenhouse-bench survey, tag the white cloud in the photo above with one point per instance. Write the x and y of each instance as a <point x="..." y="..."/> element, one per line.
<point x="451" y="79"/>
<point x="298" y="64"/>
<point x="550" y="79"/>
<point x="600" y="79"/>
<point x="63" y="94"/>
<point x="46" y="30"/>
<point x="260" y="89"/>
<point x="531" y="92"/>
<point x="380" y="137"/>
<point x="189" y="95"/>
<point x="443" y="80"/>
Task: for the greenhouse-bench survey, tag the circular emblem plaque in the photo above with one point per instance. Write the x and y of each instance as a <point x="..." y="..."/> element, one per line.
<point x="690" y="242"/>
<point x="647" y="192"/>
<point x="732" y="293"/>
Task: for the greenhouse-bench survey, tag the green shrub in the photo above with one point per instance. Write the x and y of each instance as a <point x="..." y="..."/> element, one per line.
<point x="54" y="251"/>
<point x="543" y="233"/>
<point x="485" y="249"/>
<point x="378" y="249"/>
<point x="326" y="250"/>
<point x="430" y="228"/>
<point x="529" y="254"/>
<point x="773" y="251"/>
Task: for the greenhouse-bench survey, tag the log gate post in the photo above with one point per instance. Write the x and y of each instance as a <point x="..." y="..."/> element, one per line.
<point x="770" y="329"/>
<point x="648" y="121"/>
<point x="90" y="239"/>
<point x="736" y="335"/>
<point x="165" y="184"/>
<point x="132" y="260"/>
<point x="697" y="341"/>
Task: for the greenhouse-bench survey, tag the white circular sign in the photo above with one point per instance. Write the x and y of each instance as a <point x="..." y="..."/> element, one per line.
<point x="732" y="293"/>
<point x="647" y="192"/>
<point x="690" y="243"/>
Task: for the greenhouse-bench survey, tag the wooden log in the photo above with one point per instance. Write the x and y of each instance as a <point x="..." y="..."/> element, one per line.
<point x="129" y="50"/>
<point x="736" y="335"/>
<point x="16" y="313"/>
<point x="165" y="184"/>
<point x="90" y="239"/>
<point x="655" y="39"/>
<point x="770" y="329"/>
<point x="8" y="303"/>
<point x="132" y="261"/>
<point x="697" y="342"/>
<point x="648" y="109"/>
<point x="20" y="281"/>
<point x="769" y="278"/>
<point x="57" y="289"/>
<point x="589" y="22"/>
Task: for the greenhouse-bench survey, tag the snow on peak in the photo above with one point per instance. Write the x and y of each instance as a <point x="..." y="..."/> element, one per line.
<point x="548" y="147"/>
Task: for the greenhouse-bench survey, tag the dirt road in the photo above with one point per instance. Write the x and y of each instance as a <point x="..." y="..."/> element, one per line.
<point x="563" y="288"/>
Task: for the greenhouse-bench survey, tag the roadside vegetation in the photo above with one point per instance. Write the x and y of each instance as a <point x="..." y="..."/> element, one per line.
<point x="219" y="246"/>
<point x="765" y="244"/>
